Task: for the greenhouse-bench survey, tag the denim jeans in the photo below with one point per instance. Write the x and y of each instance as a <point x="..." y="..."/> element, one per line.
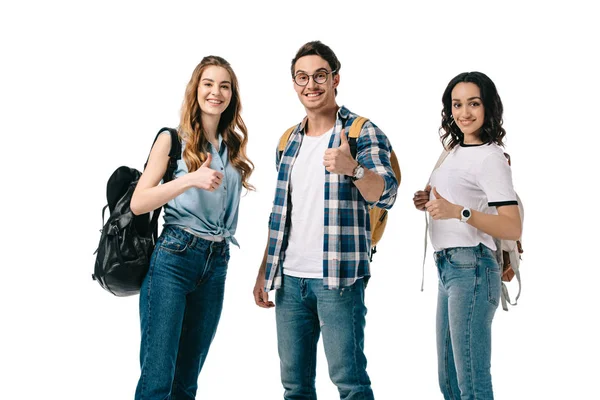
<point x="303" y="310"/>
<point x="180" y="305"/>
<point x="468" y="295"/>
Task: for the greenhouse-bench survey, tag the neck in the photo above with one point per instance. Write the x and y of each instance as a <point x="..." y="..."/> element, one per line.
<point x="210" y="123"/>
<point x="320" y="121"/>
<point x="472" y="139"/>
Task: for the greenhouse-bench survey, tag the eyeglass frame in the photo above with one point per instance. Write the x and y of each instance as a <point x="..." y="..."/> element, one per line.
<point x="327" y="73"/>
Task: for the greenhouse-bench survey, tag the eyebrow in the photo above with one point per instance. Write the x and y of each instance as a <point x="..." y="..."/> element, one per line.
<point x="212" y="80"/>
<point x="316" y="70"/>
<point x="470" y="98"/>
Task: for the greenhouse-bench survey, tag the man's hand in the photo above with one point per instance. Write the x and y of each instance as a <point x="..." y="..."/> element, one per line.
<point x="340" y="161"/>
<point x="261" y="298"/>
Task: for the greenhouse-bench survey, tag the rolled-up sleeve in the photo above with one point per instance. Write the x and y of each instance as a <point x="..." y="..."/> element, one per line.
<point x="373" y="151"/>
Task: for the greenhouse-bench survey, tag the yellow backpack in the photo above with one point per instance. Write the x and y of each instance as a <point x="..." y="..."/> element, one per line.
<point x="377" y="216"/>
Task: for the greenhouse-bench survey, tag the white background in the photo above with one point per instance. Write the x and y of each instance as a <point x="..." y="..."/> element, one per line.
<point x="84" y="87"/>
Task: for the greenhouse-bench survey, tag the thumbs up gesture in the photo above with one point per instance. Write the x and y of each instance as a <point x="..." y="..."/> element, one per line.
<point x="440" y="208"/>
<point x="339" y="160"/>
<point x="205" y="177"/>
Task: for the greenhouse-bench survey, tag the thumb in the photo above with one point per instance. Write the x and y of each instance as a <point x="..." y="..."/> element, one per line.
<point x="207" y="161"/>
<point x="436" y="194"/>
<point x="343" y="139"/>
<point x="428" y="188"/>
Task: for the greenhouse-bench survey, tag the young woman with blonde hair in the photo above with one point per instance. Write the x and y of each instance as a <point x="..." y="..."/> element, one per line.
<point x="182" y="295"/>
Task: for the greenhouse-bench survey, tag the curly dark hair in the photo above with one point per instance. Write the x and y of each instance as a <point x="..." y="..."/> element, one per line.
<point x="492" y="130"/>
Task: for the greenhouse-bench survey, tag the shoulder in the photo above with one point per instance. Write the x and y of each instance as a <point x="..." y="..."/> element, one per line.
<point x="162" y="145"/>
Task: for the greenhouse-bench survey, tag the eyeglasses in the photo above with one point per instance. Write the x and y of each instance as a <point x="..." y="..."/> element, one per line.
<point x="302" y="78"/>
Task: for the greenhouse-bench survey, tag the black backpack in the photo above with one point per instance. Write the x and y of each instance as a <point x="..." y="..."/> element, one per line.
<point x="127" y="240"/>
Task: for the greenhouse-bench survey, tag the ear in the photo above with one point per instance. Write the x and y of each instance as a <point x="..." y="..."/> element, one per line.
<point x="336" y="80"/>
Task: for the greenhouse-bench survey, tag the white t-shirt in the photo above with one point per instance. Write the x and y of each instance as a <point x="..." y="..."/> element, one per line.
<point x="304" y="254"/>
<point x="473" y="176"/>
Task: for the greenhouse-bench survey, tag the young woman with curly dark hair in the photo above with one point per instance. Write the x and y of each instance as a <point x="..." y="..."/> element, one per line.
<point x="470" y="200"/>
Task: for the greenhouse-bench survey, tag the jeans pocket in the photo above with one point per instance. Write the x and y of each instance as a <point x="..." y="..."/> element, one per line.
<point x="493" y="284"/>
<point x="174" y="245"/>
<point x="461" y="258"/>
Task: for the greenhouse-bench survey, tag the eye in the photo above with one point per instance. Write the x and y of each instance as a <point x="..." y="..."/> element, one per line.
<point x="475" y="104"/>
<point x="456" y="105"/>
<point x="320" y="76"/>
<point x="301" y="78"/>
<point x="226" y="87"/>
<point x="207" y="84"/>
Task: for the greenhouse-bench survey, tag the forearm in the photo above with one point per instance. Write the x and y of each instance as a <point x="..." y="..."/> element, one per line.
<point x="498" y="226"/>
<point x="149" y="199"/>
<point x="370" y="186"/>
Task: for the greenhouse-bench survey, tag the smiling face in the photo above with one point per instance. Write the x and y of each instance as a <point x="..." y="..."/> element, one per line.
<point x="468" y="111"/>
<point x="315" y="96"/>
<point x="214" y="90"/>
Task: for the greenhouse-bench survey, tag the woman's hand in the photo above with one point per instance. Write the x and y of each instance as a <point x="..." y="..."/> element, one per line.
<point x="440" y="208"/>
<point x="421" y="198"/>
<point x="205" y="177"/>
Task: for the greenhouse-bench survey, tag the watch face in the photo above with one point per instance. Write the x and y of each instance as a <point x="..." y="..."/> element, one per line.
<point x="360" y="173"/>
<point x="466" y="213"/>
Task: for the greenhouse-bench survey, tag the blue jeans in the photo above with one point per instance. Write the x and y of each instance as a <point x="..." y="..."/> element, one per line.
<point x="468" y="295"/>
<point x="180" y="305"/>
<point x="303" y="310"/>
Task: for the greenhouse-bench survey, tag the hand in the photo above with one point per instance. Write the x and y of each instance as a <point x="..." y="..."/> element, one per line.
<point x="421" y="198"/>
<point x="206" y="178"/>
<point x="440" y="208"/>
<point x="340" y="161"/>
<point x="261" y="298"/>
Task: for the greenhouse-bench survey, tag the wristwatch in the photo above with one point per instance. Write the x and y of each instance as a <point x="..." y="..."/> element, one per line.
<point x="359" y="172"/>
<point x="465" y="214"/>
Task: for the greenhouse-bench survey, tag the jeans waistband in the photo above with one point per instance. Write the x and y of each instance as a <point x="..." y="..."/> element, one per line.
<point x="212" y="238"/>
<point x="480" y="250"/>
<point x="194" y="240"/>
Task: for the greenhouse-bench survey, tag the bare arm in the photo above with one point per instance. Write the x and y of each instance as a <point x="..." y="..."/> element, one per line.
<point x="505" y="225"/>
<point x="149" y="195"/>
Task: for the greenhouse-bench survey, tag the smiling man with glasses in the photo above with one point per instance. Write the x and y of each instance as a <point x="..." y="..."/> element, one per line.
<point x="317" y="254"/>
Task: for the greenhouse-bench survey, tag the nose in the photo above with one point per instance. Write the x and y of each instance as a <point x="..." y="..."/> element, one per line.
<point x="464" y="112"/>
<point x="311" y="82"/>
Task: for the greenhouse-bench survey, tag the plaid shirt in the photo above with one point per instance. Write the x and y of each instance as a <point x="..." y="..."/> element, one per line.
<point x="347" y="233"/>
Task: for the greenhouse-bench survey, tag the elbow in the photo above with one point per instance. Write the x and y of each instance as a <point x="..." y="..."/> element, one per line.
<point x="515" y="233"/>
<point x="135" y="206"/>
<point x="134" y="209"/>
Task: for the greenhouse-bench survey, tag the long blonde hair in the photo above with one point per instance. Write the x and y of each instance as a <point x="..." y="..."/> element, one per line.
<point x="231" y="125"/>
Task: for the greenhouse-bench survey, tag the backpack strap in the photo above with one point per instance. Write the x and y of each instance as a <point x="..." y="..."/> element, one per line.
<point x="283" y="141"/>
<point x="439" y="162"/>
<point x="174" y="155"/>
<point x="354" y="133"/>
<point x="504" y="296"/>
